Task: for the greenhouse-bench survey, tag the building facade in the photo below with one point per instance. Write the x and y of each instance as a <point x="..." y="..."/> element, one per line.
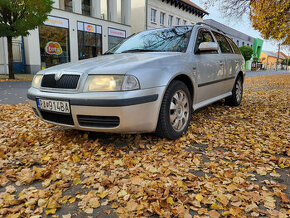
<point x="74" y="30"/>
<point x="238" y="37"/>
<point x="151" y="14"/>
<point x="269" y="59"/>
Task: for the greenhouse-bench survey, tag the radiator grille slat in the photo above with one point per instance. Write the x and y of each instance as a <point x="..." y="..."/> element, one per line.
<point x="67" y="81"/>
<point x="58" y="118"/>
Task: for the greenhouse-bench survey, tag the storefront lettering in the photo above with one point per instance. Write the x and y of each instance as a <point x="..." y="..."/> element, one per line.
<point x="56" y="21"/>
<point x="53" y="48"/>
<point x="118" y="33"/>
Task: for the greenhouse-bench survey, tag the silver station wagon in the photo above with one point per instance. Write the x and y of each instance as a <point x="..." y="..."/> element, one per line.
<point x="150" y="82"/>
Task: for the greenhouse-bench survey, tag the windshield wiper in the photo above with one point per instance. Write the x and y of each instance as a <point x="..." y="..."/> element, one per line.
<point x="140" y="50"/>
<point x="108" y="53"/>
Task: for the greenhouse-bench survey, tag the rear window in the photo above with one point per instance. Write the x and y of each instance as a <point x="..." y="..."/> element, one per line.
<point x="223" y="43"/>
<point x="234" y="46"/>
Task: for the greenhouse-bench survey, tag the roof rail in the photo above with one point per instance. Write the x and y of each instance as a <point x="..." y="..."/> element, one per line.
<point x="202" y="23"/>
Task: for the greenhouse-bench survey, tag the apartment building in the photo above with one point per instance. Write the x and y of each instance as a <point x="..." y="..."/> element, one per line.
<point x="151" y="14"/>
<point x="74" y="30"/>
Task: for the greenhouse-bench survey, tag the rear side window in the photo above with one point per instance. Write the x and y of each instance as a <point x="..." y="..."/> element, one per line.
<point x="224" y="45"/>
<point x="234" y="46"/>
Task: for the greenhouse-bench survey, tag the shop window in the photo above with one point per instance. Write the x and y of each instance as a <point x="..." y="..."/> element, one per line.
<point x="115" y="37"/>
<point x="86" y="7"/>
<point x="89" y="40"/>
<point x="54" y="42"/>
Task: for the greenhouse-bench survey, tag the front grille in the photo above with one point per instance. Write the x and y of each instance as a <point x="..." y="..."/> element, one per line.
<point x="98" y="121"/>
<point x="66" y="81"/>
<point x="57" y="118"/>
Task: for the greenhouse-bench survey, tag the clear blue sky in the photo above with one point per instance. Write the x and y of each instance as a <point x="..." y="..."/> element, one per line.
<point x="243" y="25"/>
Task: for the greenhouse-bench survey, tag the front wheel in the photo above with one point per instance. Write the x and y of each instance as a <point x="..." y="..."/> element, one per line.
<point x="175" y="111"/>
<point x="237" y="93"/>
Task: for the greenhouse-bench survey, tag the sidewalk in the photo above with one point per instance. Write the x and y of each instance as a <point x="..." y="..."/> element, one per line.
<point x="265" y="72"/>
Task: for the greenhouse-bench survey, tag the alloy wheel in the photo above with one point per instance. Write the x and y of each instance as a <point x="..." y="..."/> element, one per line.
<point x="179" y="110"/>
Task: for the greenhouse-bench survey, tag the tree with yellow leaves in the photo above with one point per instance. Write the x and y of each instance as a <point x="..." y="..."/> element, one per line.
<point x="269" y="17"/>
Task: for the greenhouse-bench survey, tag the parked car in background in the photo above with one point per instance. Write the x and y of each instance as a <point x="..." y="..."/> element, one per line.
<point x="151" y="82"/>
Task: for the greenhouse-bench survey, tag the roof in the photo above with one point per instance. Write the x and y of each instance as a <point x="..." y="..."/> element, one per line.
<point x="282" y="54"/>
<point x="230" y="31"/>
<point x="194" y="5"/>
<point x="188" y="6"/>
<point x="273" y="54"/>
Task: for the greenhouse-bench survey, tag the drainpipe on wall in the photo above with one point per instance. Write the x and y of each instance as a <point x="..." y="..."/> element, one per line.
<point x="23" y="53"/>
<point x="146" y="19"/>
<point x="4" y="56"/>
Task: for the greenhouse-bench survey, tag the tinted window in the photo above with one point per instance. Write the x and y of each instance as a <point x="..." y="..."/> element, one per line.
<point x="234" y="46"/>
<point x="204" y="36"/>
<point x="224" y="45"/>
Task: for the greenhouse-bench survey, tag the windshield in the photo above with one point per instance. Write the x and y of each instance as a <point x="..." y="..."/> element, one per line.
<point x="160" y="40"/>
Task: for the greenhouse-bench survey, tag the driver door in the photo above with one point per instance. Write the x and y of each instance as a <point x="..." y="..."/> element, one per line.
<point x="210" y="68"/>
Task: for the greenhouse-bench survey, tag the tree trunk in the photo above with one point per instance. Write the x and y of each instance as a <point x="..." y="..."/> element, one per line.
<point x="10" y="58"/>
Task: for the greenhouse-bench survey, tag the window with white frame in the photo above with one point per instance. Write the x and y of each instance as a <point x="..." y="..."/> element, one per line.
<point x="184" y="22"/>
<point x="177" y="22"/>
<point x="153" y="15"/>
<point x="162" y="18"/>
<point x="170" y="18"/>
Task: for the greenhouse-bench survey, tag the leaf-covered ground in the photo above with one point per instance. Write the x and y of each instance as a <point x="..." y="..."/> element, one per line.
<point x="231" y="162"/>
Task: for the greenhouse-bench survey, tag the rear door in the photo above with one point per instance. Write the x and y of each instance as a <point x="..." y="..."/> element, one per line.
<point x="236" y="58"/>
<point x="228" y="77"/>
<point x="210" y="67"/>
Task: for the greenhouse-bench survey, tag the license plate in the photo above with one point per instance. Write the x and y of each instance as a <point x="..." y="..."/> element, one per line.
<point x="52" y="105"/>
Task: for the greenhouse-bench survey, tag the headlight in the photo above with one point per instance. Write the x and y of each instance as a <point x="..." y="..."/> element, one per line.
<point x="110" y="83"/>
<point x="36" y="81"/>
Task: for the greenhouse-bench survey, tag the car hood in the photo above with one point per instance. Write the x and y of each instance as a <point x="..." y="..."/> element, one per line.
<point x="115" y="63"/>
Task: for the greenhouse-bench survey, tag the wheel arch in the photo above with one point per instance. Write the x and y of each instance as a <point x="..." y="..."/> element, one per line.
<point x="241" y="74"/>
<point x="186" y="80"/>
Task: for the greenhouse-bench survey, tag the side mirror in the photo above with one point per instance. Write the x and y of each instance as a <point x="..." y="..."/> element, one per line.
<point x="208" y="46"/>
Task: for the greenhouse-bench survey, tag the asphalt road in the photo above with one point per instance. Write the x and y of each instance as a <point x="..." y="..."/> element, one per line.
<point x="15" y="92"/>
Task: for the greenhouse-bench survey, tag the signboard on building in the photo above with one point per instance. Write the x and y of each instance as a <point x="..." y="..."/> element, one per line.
<point x="56" y="22"/>
<point x="53" y="48"/>
<point x="89" y="28"/>
<point x="117" y="33"/>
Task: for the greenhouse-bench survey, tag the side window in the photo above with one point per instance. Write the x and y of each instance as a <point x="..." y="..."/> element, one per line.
<point x="204" y="36"/>
<point x="234" y="46"/>
<point x="224" y="45"/>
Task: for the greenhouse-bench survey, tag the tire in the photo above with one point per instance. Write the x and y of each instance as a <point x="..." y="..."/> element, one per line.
<point x="236" y="98"/>
<point x="175" y="111"/>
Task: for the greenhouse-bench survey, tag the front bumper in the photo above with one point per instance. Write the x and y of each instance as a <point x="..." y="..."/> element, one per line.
<point x="137" y="111"/>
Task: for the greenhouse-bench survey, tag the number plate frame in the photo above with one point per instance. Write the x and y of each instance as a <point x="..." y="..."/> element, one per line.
<point x="53" y="105"/>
